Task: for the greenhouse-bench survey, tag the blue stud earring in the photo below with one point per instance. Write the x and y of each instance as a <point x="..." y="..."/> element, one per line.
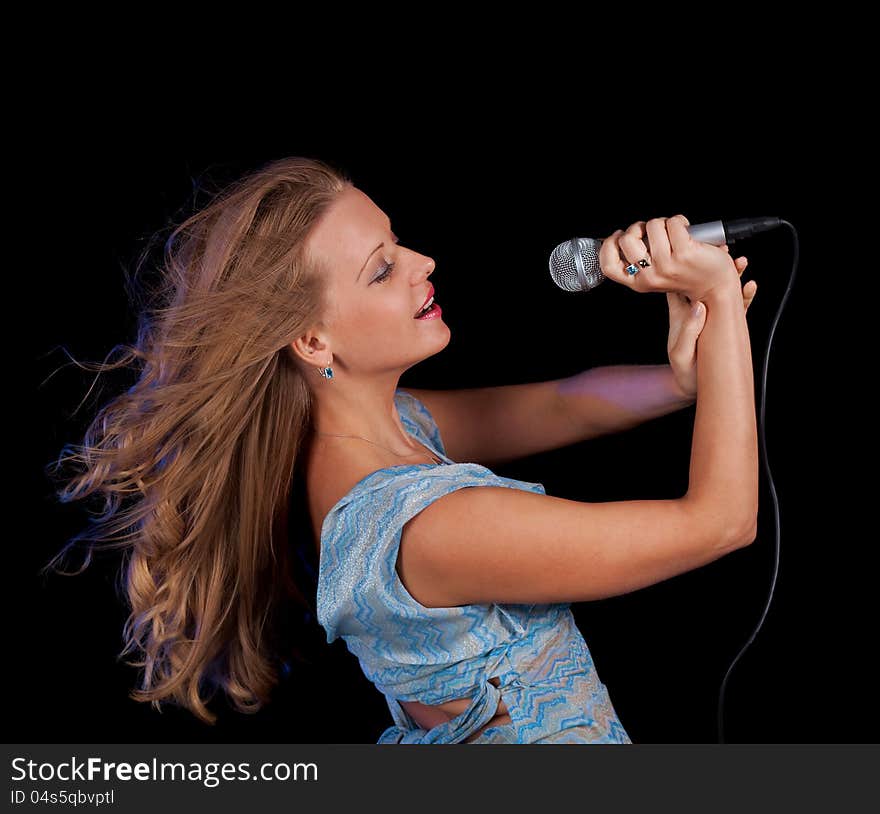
<point x="326" y="372"/>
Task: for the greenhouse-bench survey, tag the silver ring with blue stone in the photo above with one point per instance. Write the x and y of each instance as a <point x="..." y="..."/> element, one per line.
<point x="632" y="268"/>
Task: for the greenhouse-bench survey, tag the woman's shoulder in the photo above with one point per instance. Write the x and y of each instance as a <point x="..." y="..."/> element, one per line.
<point x="360" y="592"/>
<point x="374" y="510"/>
<point x="386" y="490"/>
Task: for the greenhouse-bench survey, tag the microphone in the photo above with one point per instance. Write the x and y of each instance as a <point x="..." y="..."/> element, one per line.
<point x="574" y="264"/>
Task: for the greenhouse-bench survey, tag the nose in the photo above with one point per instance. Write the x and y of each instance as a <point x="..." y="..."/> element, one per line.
<point x="426" y="268"/>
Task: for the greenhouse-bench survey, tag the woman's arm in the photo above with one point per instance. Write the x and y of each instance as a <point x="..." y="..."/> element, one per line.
<point x="724" y="453"/>
<point x="492" y="425"/>
<point x="612" y="398"/>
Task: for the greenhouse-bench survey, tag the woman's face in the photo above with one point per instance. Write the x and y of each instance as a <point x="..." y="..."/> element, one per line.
<point x="376" y="287"/>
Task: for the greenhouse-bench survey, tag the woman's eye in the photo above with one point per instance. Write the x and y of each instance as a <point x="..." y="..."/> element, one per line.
<point x="386" y="273"/>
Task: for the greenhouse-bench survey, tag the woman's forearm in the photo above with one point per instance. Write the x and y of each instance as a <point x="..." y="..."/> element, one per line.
<point x="724" y="456"/>
<point x="612" y="398"/>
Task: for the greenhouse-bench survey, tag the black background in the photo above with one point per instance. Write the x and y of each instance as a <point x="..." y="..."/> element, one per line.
<point x="490" y="207"/>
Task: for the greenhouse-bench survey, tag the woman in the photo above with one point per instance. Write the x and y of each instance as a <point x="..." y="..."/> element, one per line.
<point x="287" y="313"/>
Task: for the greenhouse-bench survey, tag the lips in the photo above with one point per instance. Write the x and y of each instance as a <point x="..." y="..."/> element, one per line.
<point x="430" y="294"/>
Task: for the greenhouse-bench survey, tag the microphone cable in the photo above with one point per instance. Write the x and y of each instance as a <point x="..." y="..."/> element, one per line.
<point x="763" y="444"/>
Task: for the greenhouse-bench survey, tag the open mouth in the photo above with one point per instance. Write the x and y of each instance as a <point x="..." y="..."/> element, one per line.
<point x="424" y="310"/>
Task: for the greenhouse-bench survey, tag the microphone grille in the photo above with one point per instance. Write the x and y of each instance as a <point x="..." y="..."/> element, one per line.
<point x="574" y="264"/>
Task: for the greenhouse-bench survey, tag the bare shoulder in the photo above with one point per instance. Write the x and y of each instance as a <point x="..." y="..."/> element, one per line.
<point x="329" y="476"/>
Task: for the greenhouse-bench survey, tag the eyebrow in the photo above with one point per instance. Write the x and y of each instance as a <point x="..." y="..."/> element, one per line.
<point x="373" y="252"/>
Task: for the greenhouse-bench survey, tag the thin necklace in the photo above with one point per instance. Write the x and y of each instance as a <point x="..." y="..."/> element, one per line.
<point x="337" y="435"/>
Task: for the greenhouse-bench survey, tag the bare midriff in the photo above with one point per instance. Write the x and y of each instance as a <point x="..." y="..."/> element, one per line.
<point x="429" y="716"/>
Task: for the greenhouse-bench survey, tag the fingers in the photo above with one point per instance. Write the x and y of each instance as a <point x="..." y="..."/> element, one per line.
<point x="629" y="246"/>
<point x="749" y="291"/>
<point x="658" y="240"/>
<point x="654" y="241"/>
<point x="611" y="260"/>
<point x="632" y="245"/>
<point x="679" y="237"/>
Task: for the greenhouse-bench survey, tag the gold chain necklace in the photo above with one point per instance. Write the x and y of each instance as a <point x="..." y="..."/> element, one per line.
<point x="337" y="435"/>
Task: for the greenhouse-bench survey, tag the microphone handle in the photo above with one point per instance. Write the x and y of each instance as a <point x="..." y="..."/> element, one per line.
<point x="719" y="232"/>
<point x="746" y="227"/>
<point x="712" y="232"/>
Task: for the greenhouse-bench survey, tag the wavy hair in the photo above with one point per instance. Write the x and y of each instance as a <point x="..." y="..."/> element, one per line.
<point x="195" y="462"/>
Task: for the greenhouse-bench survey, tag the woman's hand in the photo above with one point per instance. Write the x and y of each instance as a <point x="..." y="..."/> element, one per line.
<point x="685" y="327"/>
<point x="678" y="263"/>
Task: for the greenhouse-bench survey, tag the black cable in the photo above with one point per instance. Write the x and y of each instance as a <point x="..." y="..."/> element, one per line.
<point x="763" y="443"/>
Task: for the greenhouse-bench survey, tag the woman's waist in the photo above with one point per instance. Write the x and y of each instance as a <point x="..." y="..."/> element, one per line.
<point x="544" y="654"/>
<point x="430" y="715"/>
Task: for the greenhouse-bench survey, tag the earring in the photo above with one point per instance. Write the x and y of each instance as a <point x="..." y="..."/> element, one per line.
<point x="326" y="372"/>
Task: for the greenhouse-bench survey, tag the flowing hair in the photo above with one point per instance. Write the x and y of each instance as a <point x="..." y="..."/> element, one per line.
<point x="195" y="463"/>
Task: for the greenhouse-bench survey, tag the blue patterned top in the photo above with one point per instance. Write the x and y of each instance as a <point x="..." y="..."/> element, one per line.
<point x="414" y="653"/>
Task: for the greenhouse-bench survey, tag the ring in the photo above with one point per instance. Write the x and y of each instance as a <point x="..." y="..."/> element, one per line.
<point x="644" y="262"/>
<point x="632" y="268"/>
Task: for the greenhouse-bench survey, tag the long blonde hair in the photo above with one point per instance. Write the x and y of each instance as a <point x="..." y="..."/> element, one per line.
<point x="195" y="462"/>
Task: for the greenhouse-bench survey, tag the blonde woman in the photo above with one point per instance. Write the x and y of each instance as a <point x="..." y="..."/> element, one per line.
<point x="288" y="310"/>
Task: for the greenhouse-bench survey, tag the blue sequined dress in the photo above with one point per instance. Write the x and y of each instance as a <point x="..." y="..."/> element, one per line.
<point x="414" y="653"/>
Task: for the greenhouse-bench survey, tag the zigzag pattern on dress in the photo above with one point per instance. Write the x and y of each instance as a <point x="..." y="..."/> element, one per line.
<point x="414" y="653"/>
